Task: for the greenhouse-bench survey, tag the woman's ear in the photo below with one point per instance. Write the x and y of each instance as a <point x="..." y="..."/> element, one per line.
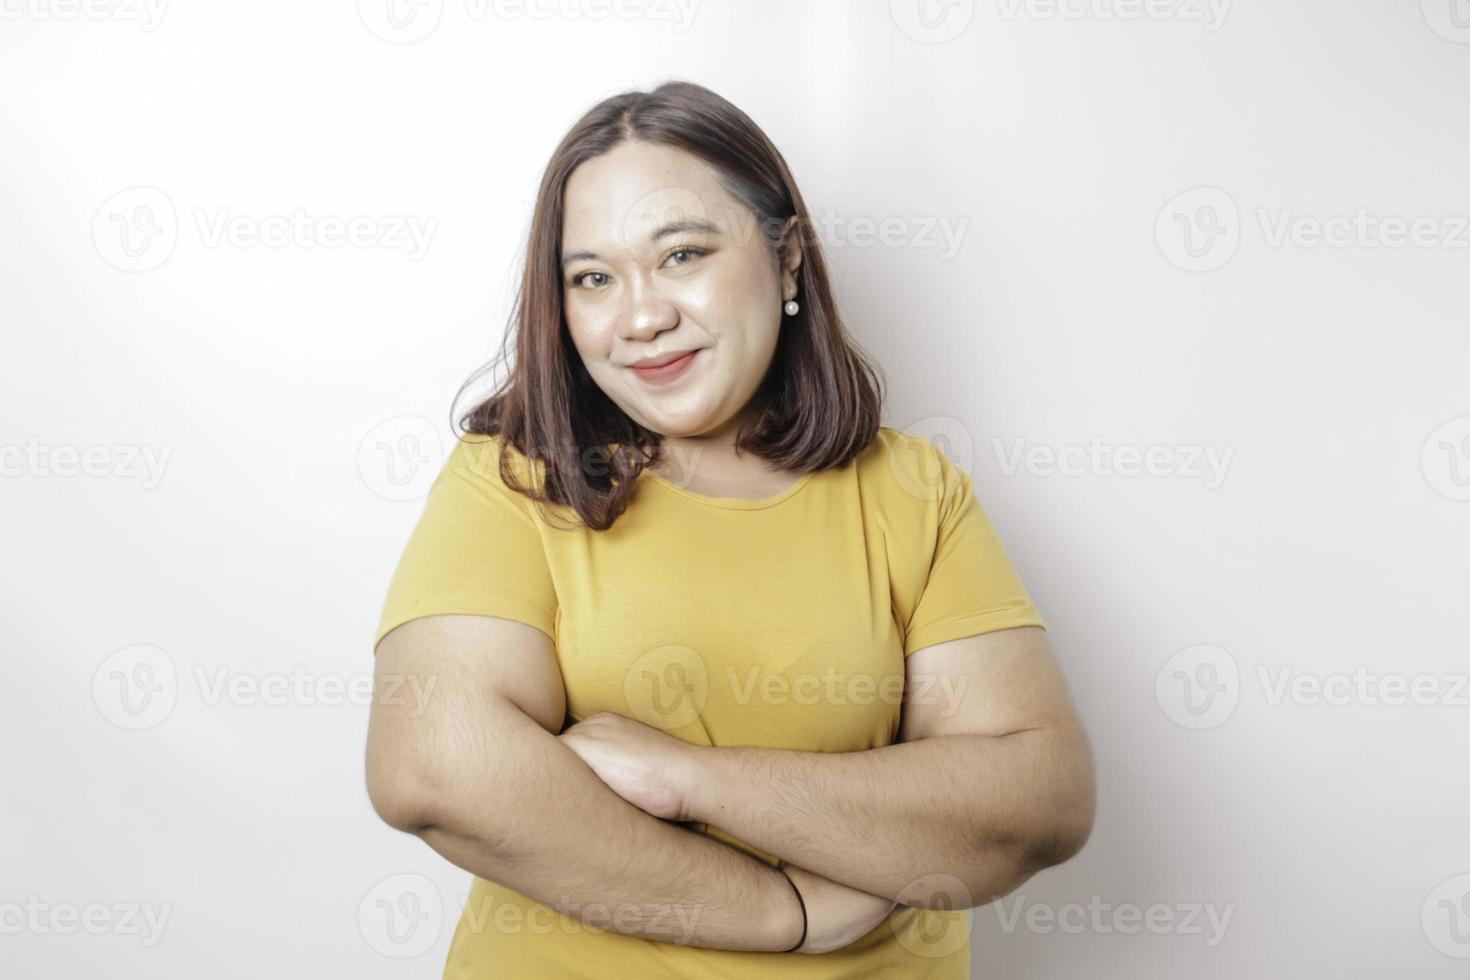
<point x="788" y="249"/>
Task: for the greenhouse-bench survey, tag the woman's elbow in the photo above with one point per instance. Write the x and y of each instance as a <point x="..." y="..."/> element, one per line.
<point x="1057" y="846"/>
<point x="408" y="778"/>
<point x="1074" y="810"/>
<point x="403" y="797"/>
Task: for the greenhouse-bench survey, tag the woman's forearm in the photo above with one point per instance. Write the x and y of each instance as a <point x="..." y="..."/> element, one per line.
<point x="837" y="915"/>
<point x="982" y="809"/>
<point x="543" y="824"/>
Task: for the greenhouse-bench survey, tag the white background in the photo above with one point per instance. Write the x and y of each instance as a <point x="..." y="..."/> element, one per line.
<point x="299" y="393"/>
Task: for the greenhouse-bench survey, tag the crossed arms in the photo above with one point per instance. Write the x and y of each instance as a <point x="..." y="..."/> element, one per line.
<point x="983" y="790"/>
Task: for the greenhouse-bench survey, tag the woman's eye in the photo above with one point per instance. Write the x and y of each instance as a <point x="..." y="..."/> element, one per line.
<point x="686" y="251"/>
<point x="689" y="253"/>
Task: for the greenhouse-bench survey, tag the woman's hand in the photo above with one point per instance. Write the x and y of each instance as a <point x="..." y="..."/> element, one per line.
<point x="649" y="768"/>
<point x="836" y="914"/>
<point x="659" y="774"/>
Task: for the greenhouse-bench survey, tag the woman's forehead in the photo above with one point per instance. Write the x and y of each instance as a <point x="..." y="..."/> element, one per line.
<point x="630" y="193"/>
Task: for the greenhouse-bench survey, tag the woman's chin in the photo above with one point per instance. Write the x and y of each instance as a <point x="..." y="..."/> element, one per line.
<point x="682" y="425"/>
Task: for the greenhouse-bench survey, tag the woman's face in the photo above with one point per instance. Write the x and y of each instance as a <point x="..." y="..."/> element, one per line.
<point x="657" y="260"/>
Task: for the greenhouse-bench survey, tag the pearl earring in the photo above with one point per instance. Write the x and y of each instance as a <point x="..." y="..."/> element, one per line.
<point x="792" y="307"/>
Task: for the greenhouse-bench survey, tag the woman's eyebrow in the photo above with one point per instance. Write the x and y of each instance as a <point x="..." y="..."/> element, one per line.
<point x="672" y="228"/>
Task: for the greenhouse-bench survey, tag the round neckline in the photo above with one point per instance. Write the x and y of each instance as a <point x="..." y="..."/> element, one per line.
<point x="733" y="503"/>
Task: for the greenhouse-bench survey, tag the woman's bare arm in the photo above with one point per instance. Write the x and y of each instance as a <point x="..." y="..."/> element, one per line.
<point x="991" y="782"/>
<point x="470" y="763"/>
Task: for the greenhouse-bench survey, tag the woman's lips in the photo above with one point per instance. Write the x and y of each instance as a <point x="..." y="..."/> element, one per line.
<point x="669" y="371"/>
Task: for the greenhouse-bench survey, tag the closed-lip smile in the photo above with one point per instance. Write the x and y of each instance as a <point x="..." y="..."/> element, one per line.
<point x="664" y="367"/>
<point x="661" y="359"/>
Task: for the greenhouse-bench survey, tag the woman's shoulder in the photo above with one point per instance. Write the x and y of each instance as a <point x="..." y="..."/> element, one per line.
<point x="891" y="441"/>
<point x="907" y="476"/>
<point x="905" y="462"/>
<point x="478" y="456"/>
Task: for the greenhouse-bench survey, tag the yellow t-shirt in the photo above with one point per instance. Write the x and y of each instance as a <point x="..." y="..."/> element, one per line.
<point x="780" y="623"/>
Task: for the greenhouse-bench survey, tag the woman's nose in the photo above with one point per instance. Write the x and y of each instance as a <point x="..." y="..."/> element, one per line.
<point x="649" y="313"/>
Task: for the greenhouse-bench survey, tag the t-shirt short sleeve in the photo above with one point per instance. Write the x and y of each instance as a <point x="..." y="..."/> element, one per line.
<point x="477" y="548"/>
<point x="972" y="586"/>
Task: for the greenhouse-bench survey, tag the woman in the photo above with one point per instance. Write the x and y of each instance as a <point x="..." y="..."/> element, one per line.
<point x="723" y="669"/>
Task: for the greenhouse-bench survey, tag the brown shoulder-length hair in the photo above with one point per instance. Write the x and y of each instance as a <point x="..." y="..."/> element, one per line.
<point x="818" y="406"/>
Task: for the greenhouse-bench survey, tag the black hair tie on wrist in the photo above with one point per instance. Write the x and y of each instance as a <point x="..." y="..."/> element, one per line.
<point x="800" y="901"/>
